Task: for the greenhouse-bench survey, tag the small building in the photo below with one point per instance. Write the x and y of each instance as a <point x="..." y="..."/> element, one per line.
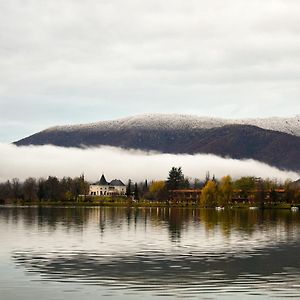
<point x="188" y="195"/>
<point x="103" y="188"/>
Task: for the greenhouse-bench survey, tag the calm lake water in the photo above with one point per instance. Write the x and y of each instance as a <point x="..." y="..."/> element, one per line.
<point x="120" y="253"/>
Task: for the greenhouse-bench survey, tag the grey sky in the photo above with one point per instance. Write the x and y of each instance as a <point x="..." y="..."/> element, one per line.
<point x="71" y="61"/>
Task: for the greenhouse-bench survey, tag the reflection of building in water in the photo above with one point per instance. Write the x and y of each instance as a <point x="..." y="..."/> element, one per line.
<point x="103" y="188"/>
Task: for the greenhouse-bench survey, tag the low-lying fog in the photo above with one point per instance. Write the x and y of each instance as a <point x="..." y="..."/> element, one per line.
<point x="42" y="161"/>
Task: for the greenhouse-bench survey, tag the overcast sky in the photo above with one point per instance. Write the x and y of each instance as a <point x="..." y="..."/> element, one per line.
<point x="71" y="61"/>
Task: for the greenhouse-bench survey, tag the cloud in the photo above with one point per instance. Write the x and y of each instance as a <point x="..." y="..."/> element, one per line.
<point x="79" y="61"/>
<point x="42" y="161"/>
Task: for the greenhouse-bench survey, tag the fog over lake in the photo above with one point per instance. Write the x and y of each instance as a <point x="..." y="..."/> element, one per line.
<point x="42" y="161"/>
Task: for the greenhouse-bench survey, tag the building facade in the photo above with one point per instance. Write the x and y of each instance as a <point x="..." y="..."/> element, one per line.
<point x="103" y="188"/>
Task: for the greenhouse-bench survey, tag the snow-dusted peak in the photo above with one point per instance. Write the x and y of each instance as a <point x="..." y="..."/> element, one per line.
<point x="180" y="122"/>
<point x="288" y="125"/>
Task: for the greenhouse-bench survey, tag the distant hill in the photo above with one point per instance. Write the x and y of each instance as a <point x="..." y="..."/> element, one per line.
<point x="275" y="141"/>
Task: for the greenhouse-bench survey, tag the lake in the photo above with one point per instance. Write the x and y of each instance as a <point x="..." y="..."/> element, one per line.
<point x="154" y="253"/>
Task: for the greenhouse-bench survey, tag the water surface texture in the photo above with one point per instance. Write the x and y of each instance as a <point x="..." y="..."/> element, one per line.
<point x="163" y="253"/>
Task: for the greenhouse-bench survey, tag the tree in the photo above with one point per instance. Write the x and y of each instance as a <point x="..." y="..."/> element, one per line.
<point x="136" y="192"/>
<point x="85" y="187"/>
<point x="30" y="189"/>
<point x="209" y="195"/>
<point x="41" y="189"/>
<point x="66" y="189"/>
<point x="145" y="186"/>
<point x="245" y="185"/>
<point x="6" y="191"/>
<point x="157" y="186"/>
<point x="129" y="188"/>
<point x="214" y="178"/>
<point x="260" y="192"/>
<point x="225" y="191"/>
<point x="158" y="190"/>
<point x="77" y="187"/>
<point x="16" y="188"/>
<point x="207" y="178"/>
<point x="176" y="179"/>
<point x="273" y="195"/>
<point x="289" y="193"/>
<point x="71" y="189"/>
<point x="52" y="189"/>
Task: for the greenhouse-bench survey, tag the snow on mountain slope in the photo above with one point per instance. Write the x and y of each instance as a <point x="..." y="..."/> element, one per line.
<point x="275" y="141"/>
<point x="177" y="121"/>
<point x="286" y="125"/>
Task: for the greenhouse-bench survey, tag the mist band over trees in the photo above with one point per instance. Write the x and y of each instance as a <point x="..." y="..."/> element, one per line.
<point x="42" y="161"/>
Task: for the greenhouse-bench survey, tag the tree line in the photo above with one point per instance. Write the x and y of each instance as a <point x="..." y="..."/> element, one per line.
<point x="50" y="189"/>
<point x="214" y="192"/>
<point x="225" y="191"/>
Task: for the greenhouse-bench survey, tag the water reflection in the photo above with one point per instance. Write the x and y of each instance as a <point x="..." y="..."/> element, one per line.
<point x="182" y="252"/>
<point x="158" y="271"/>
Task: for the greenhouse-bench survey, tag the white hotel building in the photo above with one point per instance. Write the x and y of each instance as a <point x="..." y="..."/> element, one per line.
<point x="103" y="188"/>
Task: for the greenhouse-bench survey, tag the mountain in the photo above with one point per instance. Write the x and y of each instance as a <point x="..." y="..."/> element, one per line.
<point x="275" y="141"/>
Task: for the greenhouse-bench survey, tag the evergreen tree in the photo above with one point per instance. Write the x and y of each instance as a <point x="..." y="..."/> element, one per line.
<point x="136" y="192"/>
<point x="176" y="179"/>
<point x="128" y="188"/>
<point x="41" y="189"/>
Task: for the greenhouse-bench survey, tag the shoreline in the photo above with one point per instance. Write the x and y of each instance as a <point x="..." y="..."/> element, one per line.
<point x="145" y="204"/>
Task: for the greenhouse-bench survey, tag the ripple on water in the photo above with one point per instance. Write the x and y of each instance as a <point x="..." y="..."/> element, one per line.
<point x="172" y="274"/>
<point x="183" y="253"/>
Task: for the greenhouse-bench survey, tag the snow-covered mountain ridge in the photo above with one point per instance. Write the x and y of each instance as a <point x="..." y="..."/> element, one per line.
<point x="289" y="125"/>
<point x="275" y="141"/>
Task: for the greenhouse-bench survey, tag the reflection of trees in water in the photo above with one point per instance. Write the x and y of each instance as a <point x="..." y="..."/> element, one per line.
<point x="247" y="221"/>
<point x="183" y="268"/>
<point x="175" y="219"/>
<point x="259" y="269"/>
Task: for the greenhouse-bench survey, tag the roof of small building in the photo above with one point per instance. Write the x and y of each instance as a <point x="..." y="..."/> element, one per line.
<point x="116" y="182"/>
<point x="102" y="181"/>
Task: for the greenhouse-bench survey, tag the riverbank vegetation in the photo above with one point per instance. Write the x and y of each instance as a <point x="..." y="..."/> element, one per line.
<point x="176" y="190"/>
<point x="50" y="189"/>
